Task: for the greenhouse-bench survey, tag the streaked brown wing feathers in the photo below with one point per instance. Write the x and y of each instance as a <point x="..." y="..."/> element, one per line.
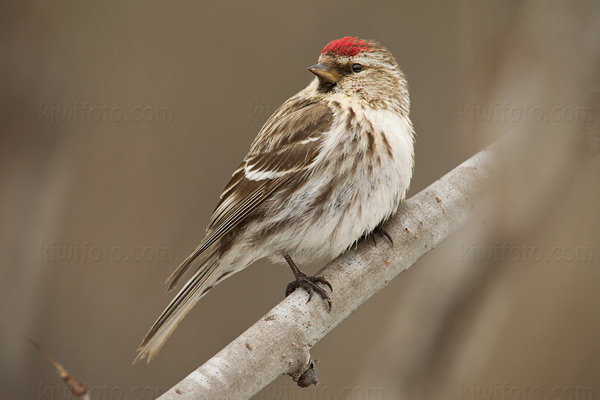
<point x="288" y="143"/>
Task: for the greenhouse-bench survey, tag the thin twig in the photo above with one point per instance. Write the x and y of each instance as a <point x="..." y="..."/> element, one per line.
<point x="79" y="390"/>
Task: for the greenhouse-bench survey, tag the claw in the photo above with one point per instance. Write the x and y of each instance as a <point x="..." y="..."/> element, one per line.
<point x="309" y="283"/>
<point x="310" y="293"/>
<point x="382" y="232"/>
<point x="324" y="281"/>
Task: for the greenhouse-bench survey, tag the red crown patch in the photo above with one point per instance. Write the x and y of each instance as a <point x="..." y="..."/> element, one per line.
<point x="347" y="46"/>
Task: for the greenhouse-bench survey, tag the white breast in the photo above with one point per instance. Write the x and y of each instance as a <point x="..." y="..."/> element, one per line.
<point x="380" y="192"/>
<point x="367" y="190"/>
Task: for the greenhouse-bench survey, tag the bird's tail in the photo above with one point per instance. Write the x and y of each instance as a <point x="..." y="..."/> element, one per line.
<point x="198" y="285"/>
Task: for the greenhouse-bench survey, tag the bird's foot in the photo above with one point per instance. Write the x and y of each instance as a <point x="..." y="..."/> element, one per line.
<point x="310" y="284"/>
<point x="379" y="230"/>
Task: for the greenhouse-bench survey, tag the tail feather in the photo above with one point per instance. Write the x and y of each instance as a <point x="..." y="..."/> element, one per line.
<point x="188" y="296"/>
<point x="197" y="257"/>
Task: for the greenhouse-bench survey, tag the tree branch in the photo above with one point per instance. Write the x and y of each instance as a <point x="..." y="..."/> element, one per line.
<point x="279" y="343"/>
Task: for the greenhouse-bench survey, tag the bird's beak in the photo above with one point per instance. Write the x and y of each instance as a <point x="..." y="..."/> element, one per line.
<point x="325" y="73"/>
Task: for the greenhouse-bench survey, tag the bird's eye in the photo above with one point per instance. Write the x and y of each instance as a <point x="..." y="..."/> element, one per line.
<point x="357" y="67"/>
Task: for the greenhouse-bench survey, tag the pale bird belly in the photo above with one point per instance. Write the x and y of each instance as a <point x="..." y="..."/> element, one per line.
<point x="346" y="198"/>
<point x="359" y="203"/>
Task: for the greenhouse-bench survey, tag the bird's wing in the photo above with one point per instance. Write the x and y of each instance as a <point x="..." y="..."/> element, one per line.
<point x="286" y="146"/>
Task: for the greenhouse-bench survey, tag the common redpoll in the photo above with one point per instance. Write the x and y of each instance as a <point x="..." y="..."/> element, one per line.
<point x="327" y="168"/>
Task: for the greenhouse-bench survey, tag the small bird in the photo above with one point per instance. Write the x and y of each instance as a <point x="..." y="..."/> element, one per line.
<point x="328" y="167"/>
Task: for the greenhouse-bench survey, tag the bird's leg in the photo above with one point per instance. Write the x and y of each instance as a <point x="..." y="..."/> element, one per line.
<point x="308" y="283"/>
<point x="379" y="230"/>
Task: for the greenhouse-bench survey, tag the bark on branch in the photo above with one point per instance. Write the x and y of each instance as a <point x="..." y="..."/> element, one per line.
<point x="280" y="342"/>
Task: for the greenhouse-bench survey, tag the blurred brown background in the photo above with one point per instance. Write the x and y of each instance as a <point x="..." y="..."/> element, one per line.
<point x="121" y="122"/>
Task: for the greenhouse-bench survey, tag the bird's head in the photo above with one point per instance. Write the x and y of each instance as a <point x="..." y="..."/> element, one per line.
<point x="361" y="69"/>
